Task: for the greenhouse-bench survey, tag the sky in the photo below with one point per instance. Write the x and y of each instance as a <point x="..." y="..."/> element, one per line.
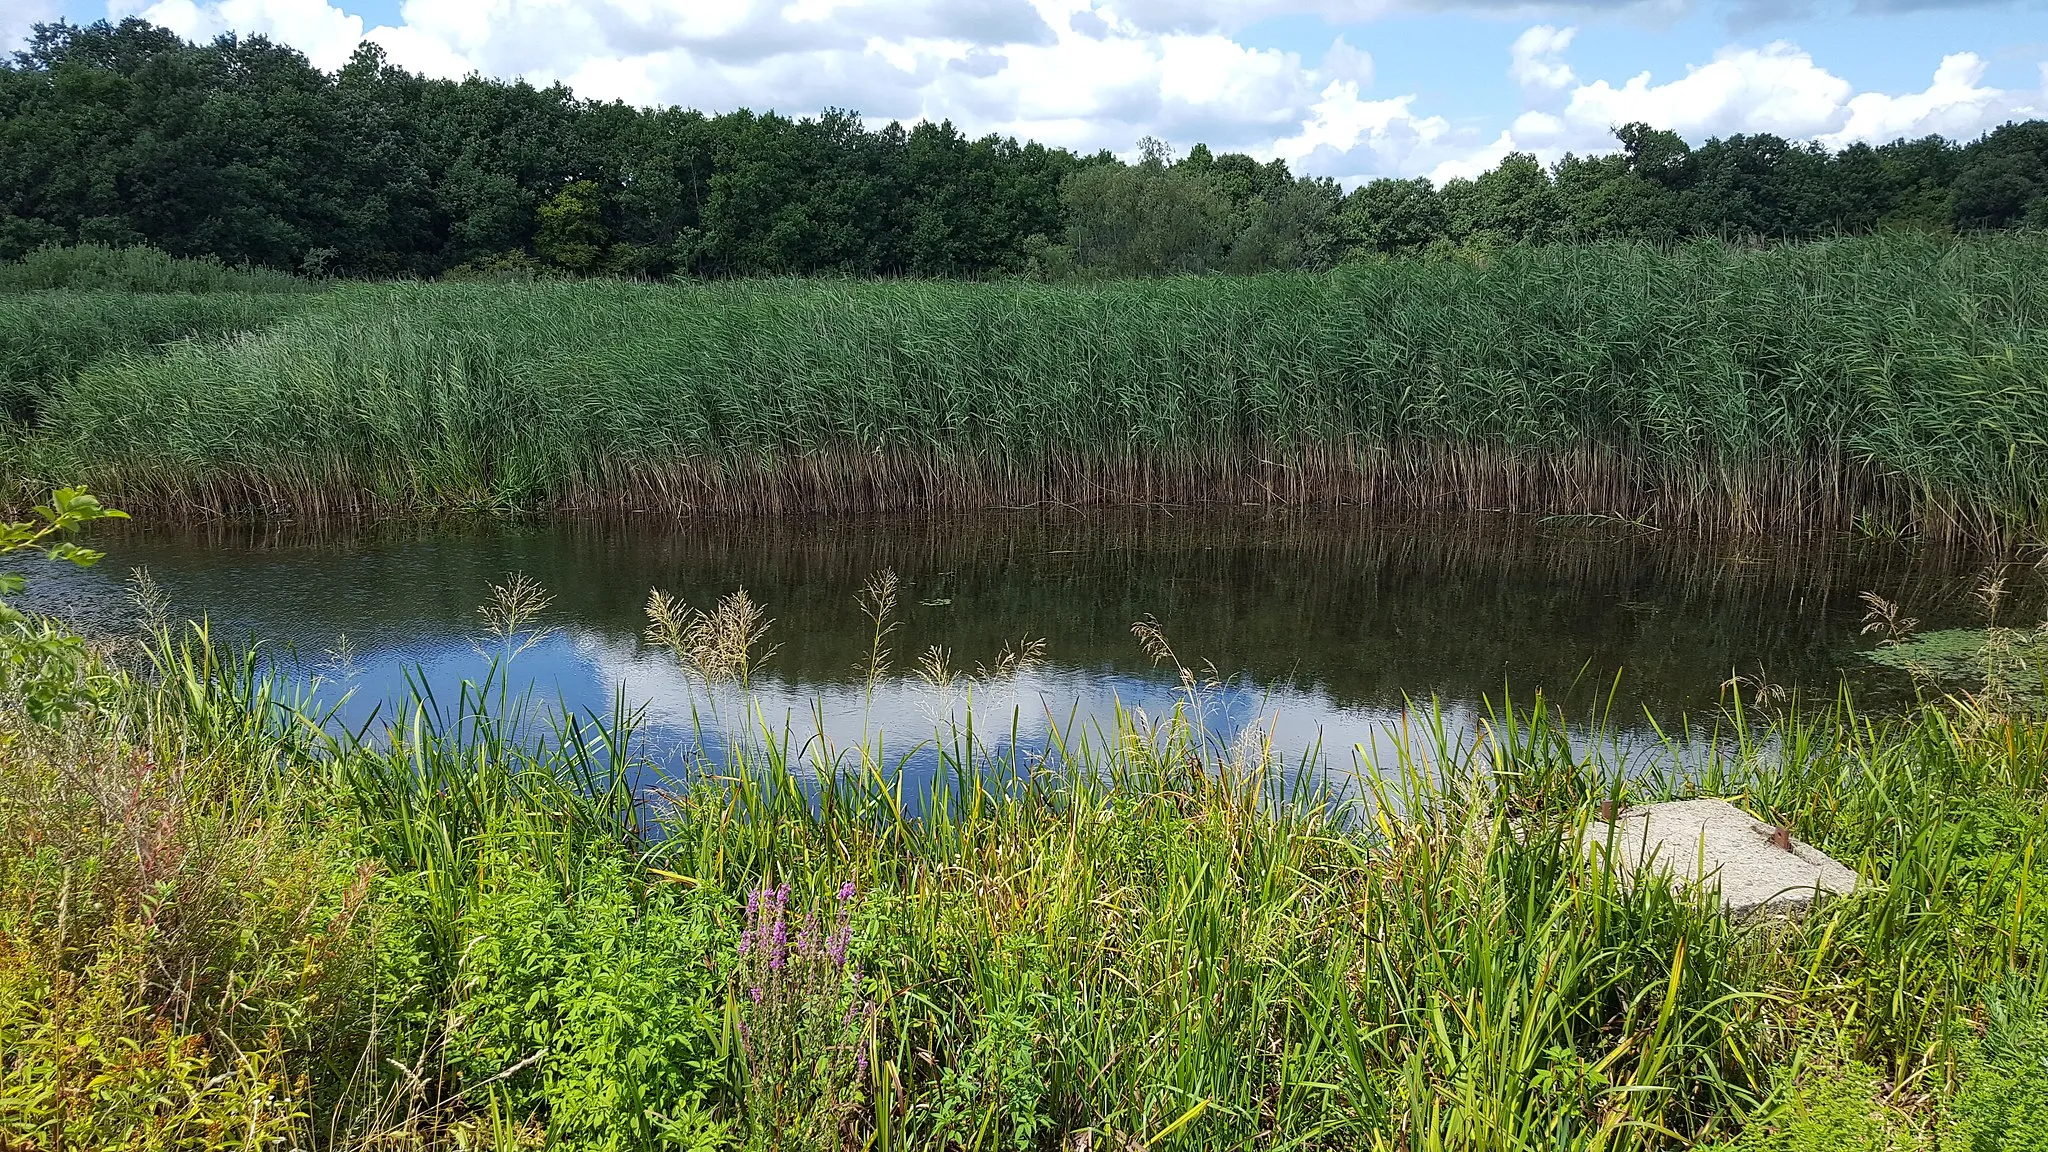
<point x="1351" y="89"/>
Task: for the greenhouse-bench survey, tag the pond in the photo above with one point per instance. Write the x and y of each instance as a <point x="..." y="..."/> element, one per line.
<point x="1314" y="629"/>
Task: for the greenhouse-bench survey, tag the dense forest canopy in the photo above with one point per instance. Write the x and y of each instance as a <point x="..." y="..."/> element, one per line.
<point x="241" y="150"/>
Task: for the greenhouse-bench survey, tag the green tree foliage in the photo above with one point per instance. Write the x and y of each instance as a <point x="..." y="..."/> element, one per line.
<point x="1393" y="216"/>
<point x="1152" y="219"/>
<point x="1512" y="203"/>
<point x="121" y="134"/>
<point x="2004" y="183"/>
<point x="1204" y="213"/>
<point x="572" y="232"/>
<point x="240" y="151"/>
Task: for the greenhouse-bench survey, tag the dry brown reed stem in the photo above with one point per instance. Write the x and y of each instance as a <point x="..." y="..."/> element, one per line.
<point x="1591" y="481"/>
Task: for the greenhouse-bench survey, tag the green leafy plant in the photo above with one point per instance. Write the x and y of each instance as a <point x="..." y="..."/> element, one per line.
<point x="88" y="1063"/>
<point x="2003" y="1103"/>
<point x="590" y="1008"/>
<point x="42" y="664"/>
<point x="69" y="509"/>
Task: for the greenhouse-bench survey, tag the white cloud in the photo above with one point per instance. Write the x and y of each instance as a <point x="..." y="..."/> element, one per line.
<point x="1777" y="88"/>
<point x="1092" y="74"/>
<point x="324" y="33"/>
<point x="20" y="17"/>
<point x="1347" y="136"/>
<point x="1344" y="62"/>
<point x="1953" y="105"/>
<point x="1235" y="15"/>
<point x="1471" y="164"/>
<point x="1535" y="59"/>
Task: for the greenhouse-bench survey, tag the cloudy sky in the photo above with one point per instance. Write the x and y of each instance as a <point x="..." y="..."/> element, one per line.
<point x="1344" y="88"/>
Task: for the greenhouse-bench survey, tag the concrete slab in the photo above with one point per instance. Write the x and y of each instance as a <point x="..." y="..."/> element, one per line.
<point x="1712" y="841"/>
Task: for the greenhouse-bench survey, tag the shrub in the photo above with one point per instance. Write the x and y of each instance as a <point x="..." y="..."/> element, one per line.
<point x="604" y="1000"/>
<point x="2003" y="1103"/>
<point x="87" y="1062"/>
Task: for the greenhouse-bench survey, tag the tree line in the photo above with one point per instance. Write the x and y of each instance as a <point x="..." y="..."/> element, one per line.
<point x="242" y="151"/>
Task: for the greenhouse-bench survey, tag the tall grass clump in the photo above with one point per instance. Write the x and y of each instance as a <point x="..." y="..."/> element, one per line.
<point x="138" y="268"/>
<point x="47" y="338"/>
<point x="1895" y="380"/>
<point x="62" y="309"/>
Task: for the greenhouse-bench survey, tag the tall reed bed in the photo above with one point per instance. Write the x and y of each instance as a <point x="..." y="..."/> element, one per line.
<point x="48" y="337"/>
<point x="1897" y="379"/>
<point x="140" y="268"/>
<point x="461" y="932"/>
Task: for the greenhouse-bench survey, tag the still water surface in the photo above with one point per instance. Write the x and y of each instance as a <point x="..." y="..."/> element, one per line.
<point x="1320" y="627"/>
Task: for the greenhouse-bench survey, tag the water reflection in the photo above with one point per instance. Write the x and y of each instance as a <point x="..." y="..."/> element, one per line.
<point x="1319" y="628"/>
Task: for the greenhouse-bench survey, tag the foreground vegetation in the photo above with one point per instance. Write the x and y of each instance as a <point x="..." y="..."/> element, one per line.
<point x="224" y="925"/>
<point x="1891" y="383"/>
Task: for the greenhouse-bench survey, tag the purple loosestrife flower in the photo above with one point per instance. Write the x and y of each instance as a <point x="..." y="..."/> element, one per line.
<point x="860" y="1062"/>
<point x="836" y="949"/>
<point x="756" y="990"/>
<point x="846" y="891"/>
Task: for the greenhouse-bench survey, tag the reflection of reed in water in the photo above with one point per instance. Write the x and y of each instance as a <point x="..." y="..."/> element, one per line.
<point x="1362" y="607"/>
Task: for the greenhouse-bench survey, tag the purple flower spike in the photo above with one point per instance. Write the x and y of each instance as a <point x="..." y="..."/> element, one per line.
<point x="846" y="891"/>
<point x="860" y="1062"/>
<point x="756" y="990"/>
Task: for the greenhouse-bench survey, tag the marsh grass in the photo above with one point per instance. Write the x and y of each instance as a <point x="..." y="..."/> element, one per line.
<point x="48" y="337"/>
<point x="140" y="268"/>
<point x="1887" y="384"/>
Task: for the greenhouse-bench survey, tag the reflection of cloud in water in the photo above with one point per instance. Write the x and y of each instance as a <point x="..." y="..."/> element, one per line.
<point x="909" y="717"/>
<point x="905" y="722"/>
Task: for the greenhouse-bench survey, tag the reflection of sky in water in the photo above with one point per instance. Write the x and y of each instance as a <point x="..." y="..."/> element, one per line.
<point x="903" y="723"/>
<point x="1325" y="626"/>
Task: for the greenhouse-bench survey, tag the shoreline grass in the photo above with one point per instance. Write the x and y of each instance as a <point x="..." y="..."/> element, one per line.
<point x="1892" y="383"/>
<point x="223" y="921"/>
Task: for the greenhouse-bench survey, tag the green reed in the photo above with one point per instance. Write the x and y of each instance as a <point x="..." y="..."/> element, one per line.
<point x="47" y="338"/>
<point x="1891" y="382"/>
<point x="140" y="268"/>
